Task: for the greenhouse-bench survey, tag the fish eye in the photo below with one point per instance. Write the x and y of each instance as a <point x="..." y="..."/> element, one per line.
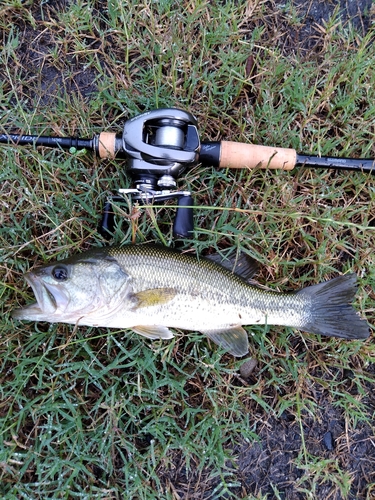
<point x="60" y="273"/>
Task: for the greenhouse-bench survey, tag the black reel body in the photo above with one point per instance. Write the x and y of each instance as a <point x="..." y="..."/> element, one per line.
<point x="159" y="146"/>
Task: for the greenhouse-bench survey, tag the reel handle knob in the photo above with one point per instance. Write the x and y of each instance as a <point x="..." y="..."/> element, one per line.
<point x="107" y="223"/>
<point x="183" y="226"/>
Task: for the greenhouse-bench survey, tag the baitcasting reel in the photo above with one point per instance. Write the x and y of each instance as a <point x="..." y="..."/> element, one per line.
<point x="159" y="146"/>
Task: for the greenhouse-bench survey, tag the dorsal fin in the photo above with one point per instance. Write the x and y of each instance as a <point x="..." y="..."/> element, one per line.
<point x="239" y="263"/>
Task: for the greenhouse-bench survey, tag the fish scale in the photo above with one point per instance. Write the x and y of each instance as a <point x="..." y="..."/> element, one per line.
<point x="151" y="289"/>
<point x="221" y="288"/>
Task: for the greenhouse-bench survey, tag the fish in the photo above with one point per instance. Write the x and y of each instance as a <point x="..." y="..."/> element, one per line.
<point x="152" y="289"/>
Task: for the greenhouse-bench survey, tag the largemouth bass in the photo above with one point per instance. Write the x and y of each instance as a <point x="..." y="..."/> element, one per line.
<point x="151" y="289"/>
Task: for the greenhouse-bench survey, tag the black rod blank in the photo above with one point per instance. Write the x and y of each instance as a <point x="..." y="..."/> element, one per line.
<point x="360" y="164"/>
<point x="52" y="142"/>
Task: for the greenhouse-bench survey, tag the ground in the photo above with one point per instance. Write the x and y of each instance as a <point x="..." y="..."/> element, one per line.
<point x="316" y="437"/>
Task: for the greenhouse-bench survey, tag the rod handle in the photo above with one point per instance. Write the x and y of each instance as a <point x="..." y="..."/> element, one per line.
<point x="240" y="155"/>
<point x="107" y="145"/>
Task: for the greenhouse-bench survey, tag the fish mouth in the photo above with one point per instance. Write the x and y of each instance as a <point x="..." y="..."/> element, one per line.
<point x="49" y="298"/>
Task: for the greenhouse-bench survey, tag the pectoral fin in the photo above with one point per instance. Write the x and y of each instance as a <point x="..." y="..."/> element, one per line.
<point x="153" y="331"/>
<point x="153" y="297"/>
<point x="232" y="339"/>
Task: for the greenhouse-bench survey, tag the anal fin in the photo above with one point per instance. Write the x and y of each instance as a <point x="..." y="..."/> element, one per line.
<point x="232" y="338"/>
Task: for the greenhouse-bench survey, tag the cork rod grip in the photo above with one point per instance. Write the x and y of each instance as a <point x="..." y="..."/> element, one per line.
<point x="106" y="145"/>
<point x="239" y="155"/>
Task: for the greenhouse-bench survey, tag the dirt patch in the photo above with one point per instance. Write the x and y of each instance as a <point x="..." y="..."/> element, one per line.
<point x="276" y="463"/>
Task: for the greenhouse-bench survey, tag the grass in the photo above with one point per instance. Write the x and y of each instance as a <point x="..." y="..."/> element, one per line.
<point x="96" y="413"/>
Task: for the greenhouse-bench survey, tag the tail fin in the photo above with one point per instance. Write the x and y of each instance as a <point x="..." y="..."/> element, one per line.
<point x="331" y="312"/>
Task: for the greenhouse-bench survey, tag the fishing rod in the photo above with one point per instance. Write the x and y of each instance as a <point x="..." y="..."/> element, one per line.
<point x="160" y="145"/>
